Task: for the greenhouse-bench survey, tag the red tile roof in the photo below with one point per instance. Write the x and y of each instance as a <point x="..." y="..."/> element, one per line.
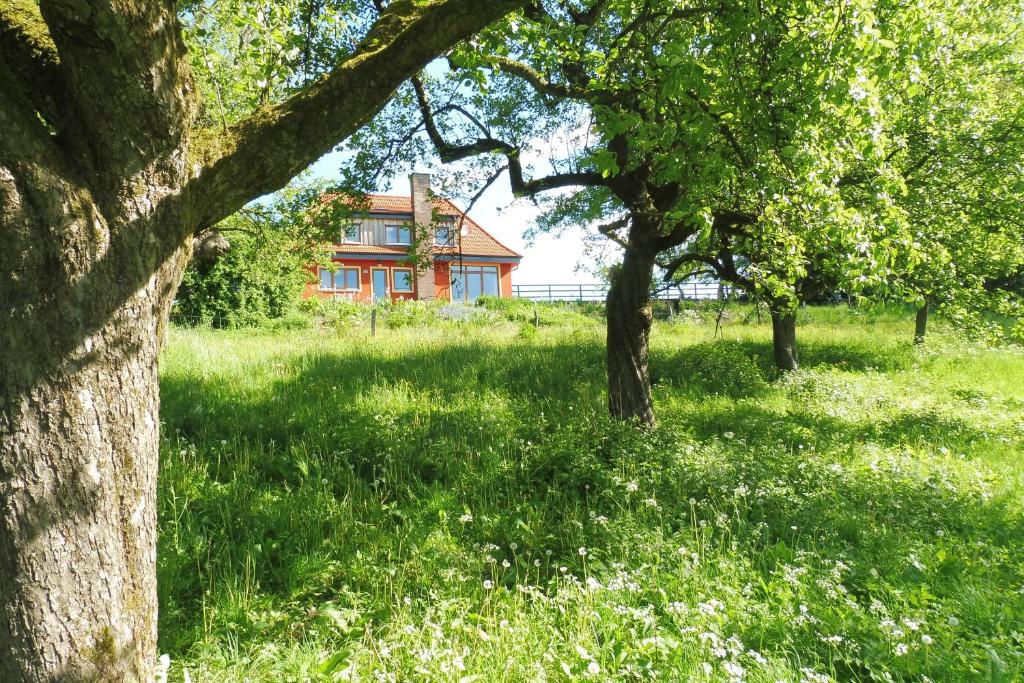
<point x="370" y="249"/>
<point x="473" y="240"/>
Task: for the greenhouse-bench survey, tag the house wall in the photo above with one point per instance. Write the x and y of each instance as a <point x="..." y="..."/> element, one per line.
<point x="441" y="280"/>
<point x="365" y="293"/>
<point x="505" y="273"/>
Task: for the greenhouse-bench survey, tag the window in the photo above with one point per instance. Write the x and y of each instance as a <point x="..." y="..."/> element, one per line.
<point x="345" y="279"/>
<point x="444" y="235"/>
<point x="398" y="234"/>
<point x="471" y="282"/>
<point x="402" y="279"/>
<point x="350" y="234"/>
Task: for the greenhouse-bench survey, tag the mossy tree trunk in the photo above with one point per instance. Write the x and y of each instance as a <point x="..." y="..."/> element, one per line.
<point x="921" y="323"/>
<point x="629" y="329"/>
<point x="784" y="347"/>
<point x="104" y="181"/>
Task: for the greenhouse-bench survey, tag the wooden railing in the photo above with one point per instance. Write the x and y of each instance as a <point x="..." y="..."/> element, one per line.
<point x="598" y="292"/>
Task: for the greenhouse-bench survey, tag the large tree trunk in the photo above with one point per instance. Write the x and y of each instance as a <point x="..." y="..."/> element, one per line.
<point x="784" y="346"/>
<point x="82" y="318"/>
<point x="78" y="543"/>
<point x="629" y="328"/>
<point x="921" y="323"/>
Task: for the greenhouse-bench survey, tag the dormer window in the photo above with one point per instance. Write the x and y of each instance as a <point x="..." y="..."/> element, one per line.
<point x="398" y="234"/>
<point x="350" y="234"/>
<point x="444" y="235"/>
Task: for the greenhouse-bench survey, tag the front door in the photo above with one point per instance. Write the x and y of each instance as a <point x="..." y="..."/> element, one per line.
<point x="380" y="283"/>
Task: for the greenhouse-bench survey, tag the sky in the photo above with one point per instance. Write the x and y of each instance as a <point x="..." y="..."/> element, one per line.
<point x="548" y="260"/>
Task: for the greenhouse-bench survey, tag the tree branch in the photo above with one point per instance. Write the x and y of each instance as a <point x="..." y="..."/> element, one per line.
<point x="520" y="186"/>
<point x="127" y="81"/>
<point x="448" y="152"/>
<point x="538" y="81"/>
<point x="673" y="266"/>
<point x="608" y="230"/>
<point x="724" y="129"/>
<point x="264" y="152"/>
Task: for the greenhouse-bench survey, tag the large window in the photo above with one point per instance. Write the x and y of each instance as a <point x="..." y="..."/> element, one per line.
<point x="350" y="234"/>
<point x="402" y="280"/>
<point x="346" y="279"/>
<point x="472" y="282"/>
<point x="397" y="234"/>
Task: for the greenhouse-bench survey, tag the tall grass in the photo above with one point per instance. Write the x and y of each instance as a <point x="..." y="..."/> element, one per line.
<point x="450" y="503"/>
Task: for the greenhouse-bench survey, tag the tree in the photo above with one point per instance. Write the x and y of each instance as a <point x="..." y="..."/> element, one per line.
<point x="106" y="173"/>
<point x="677" y="118"/>
<point x="958" y="122"/>
<point x="853" y="248"/>
<point x="937" y="220"/>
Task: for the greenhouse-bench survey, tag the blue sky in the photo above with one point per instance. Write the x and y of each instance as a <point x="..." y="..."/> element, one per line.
<point x="548" y="260"/>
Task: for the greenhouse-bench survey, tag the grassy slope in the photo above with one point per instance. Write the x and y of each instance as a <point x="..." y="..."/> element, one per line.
<point x="439" y="504"/>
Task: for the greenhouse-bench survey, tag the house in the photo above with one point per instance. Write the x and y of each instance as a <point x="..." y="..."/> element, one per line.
<point x="374" y="257"/>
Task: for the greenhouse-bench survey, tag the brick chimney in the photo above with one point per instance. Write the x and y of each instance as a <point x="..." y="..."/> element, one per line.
<point x="423" y="218"/>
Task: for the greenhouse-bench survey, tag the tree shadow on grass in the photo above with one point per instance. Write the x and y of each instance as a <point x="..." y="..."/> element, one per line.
<point x="342" y="481"/>
<point x="742" y="367"/>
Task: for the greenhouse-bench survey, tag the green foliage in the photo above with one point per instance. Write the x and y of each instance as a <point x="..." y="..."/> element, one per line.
<point x="247" y="55"/>
<point x="258" y="280"/>
<point x="261" y="278"/>
<point x="425" y="504"/>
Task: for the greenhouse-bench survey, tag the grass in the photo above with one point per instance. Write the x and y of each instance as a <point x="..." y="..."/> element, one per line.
<point x="450" y="503"/>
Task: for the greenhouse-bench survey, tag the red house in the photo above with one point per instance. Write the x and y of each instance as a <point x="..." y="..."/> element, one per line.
<point x="373" y="258"/>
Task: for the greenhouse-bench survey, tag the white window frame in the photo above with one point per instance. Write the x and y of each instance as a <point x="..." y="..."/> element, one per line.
<point x="359" y="234"/>
<point x="398" y="228"/>
<point x="394" y="284"/>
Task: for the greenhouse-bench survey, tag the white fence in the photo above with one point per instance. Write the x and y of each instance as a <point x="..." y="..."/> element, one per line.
<point x="692" y="291"/>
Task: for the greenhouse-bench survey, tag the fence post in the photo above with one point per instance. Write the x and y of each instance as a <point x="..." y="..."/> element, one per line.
<point x="373" y="322"/>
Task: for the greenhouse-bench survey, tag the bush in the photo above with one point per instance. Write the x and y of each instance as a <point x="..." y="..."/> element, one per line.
<point x="256" y="281"/>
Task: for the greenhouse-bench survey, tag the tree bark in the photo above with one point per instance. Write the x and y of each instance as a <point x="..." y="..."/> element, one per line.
<point x="79" y="450"/>
<point x="784" y="346"/>
<point x="629" y="328"/>
<point x="921" y="324"/>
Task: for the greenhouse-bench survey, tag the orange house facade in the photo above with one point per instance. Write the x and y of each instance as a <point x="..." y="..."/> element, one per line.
<point x="373" y="258"/>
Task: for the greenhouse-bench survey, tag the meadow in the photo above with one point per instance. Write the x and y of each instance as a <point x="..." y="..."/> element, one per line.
<point x="450" y="502"/>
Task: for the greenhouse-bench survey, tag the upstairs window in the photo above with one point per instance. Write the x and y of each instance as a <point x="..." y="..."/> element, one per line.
<point x="444" y="235"/>
<point x="351" y="234"/>
<point x="345" y="279"/>
<point x="398" y="234"/>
